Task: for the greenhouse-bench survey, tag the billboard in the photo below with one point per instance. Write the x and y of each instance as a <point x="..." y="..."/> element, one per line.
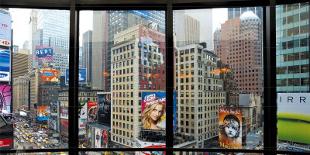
<point x="92" y="110"/>
<point x="64" y="123"/>
<point x="82" y="75"/>
<point x="104" y="108"/>
<point x="53" y="123"/>
<point x="294" y="115"/>
<point x="5" y="63"/>
<point x="230" y="127"/>
<point x="98" y="134"/>
<point x="44" y="53"/>
<point x="174" y="111"/>
<point x="42" y="113"/>
<point x="5" y="28"/>
<point x="49" y="75"/>
<point x="5" y="98"/>
<point x="82" y="117"/>
<point x="153" y="109"/>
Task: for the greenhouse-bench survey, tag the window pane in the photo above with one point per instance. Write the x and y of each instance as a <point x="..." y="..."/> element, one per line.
<point x="39" y="56"/>
<point x="293" y="78"/>
<point x="219" y="83"/>
<point x="122" y="79"/>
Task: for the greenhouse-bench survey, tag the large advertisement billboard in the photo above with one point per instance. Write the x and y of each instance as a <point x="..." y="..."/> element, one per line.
<point x="82" y="117"/>
<point x="230" y="127"/>
<point x="104" y="108"/>
<point x="153" y="108"/>
<point x="82" y="75"/>
<point x="5" y="28"/>
<point x="174" y="111"/>
<point x="45" y="54"/>
<point x="5" y="98"/>
<point x="49" y="75"/>
<point x="294" y="116"/>
<point x="42" y="113"/>
<point x="98" y="134"/>
<point x="5" y="63"/>
<point x="92" y="109"/>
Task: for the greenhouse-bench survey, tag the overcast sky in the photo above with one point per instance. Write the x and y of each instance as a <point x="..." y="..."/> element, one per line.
<point x="21" y="26"/>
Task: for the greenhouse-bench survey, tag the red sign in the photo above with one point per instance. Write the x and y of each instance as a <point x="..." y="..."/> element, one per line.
<point x="7" y="142"/>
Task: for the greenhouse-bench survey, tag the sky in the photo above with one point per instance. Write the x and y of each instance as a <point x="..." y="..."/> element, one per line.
<point x="21" y="26"/>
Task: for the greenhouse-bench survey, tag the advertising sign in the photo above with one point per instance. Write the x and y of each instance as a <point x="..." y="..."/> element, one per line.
<point x="50" y="75"/>
<point x="83" y="109"/>
<point x="53" y="123"/>
<point x="92" y="110"/>
<point x="230" y="127"/>
<point x="294" y="116"/>
<point x="5" y="98"/>
<point x="54" y="108"/>
<point x="98" y="134"/>
<point x="82" y="75"/>
<point x="64" y="112"/>
<point x="5" y="63"/>
<point x="153" y="108"/>
<point x="64" y="127"/>
<point x="42" y="113"/>
<point x="105" y="138"/>
<point x="44" y="53"/>
<point x="174" y="111"/>
<point x="104" y="108"/>
<point x="5" y="28"/>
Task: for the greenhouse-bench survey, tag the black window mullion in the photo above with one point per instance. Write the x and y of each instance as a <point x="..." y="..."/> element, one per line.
<point x="270" y="95"/>
<point x="73" y="79"/>
<point x="169" y="77"/>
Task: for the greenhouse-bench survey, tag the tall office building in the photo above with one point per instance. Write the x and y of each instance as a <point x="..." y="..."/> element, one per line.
<point x="138" y="65"/>
<point x="21" y="93"/>
<point x="186" y="28"/>
<point x="237" y="12"/>
<point x="87" y="54"/>
<point x="48" y="30"/>
<point x="293" y="48"/>
<point x="241" y="49"/>
<point x="100" y="54"/>
<point x="199" y="93"/>
<point x="19" y="64"/>
<point x="121" y="20"/>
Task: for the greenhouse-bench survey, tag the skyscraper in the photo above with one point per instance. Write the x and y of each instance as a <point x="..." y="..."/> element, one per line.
<point x="186" y="28"/>
<point x="121" y="20"/>
<point x="241" y="49"/>
<point x="236" y="12"/>
<point x="48" y="30"/>
<point x="87" y="54"/>
<point x="293" y="48"/>
<point x="100" y="60"/>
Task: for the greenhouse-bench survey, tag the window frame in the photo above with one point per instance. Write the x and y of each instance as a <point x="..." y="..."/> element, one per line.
<point x="269" y="60"/>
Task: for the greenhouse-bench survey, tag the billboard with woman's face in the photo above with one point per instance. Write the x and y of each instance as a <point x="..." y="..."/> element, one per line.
<point x="153" y="108"/>
<point x="230" y="127"/>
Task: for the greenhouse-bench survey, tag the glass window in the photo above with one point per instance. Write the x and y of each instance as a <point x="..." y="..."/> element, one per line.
<point x="139" y="39"/>
<point x="293" y="98"/>
<point x="226" y="105"/>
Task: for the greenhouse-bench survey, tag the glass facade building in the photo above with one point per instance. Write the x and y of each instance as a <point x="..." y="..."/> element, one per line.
<point x="293" y="48"/>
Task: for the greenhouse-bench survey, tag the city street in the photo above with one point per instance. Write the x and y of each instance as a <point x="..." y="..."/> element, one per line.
<point x="34" y="137"/>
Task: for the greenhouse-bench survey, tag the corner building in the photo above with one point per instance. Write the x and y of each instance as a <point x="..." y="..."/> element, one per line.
<point x="199" y="93"/>
<point x="138" y="55"/>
